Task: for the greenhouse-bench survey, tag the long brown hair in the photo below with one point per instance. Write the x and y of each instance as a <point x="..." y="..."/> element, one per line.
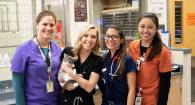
<point x="122" y="49"/>
<point x="156" y="44"/>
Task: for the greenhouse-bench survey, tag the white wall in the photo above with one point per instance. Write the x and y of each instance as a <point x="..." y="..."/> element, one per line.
<point x="160" y="7"/>
<point x="76" y="27"/>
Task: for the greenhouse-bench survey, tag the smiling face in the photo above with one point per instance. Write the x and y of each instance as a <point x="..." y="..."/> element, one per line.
<point x="89" y="39"/>
<point x="46" y="27"/>
<point x="112" y="39"/>
<point x="147" y="29"/>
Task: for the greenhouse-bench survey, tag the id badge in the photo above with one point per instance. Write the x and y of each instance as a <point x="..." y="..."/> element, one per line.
<point x="138" y="100"/>
<point x="49" y="86"/>
<point x="138" y="64"/>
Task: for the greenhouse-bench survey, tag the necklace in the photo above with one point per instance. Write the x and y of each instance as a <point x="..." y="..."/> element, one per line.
<point x="143" y="49"/>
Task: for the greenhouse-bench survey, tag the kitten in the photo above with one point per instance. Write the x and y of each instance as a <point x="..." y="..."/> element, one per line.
<point x="63" y="77"/>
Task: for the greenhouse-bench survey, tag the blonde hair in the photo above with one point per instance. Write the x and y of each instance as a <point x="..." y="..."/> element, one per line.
<point x="95" y="50"/>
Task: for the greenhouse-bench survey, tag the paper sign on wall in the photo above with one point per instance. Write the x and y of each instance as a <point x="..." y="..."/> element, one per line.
<point x="191" y="18"/>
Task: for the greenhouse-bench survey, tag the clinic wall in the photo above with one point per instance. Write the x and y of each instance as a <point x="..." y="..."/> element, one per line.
<point x="75" y="27"/>
<point x="93" y="16"/>
<point x="159" y="7"/>
<point x="188" y="39"/>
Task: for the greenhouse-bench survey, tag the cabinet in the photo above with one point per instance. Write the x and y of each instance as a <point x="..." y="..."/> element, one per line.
<point x="175" y="90"/>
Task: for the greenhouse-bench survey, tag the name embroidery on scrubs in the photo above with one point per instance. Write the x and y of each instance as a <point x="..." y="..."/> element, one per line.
<point x="49" y="83"/>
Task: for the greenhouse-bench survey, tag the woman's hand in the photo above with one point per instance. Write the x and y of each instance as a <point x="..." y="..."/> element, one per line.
<point x="67" y="67"/>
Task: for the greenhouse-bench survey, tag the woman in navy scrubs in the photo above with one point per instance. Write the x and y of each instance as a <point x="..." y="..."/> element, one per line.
<point x="118" y="82"/>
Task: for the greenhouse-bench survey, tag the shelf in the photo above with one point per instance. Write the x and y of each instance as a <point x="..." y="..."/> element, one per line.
<point x="120" y="10"/>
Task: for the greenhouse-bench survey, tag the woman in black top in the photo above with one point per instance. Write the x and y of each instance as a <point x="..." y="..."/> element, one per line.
<point x="89" y="65"/>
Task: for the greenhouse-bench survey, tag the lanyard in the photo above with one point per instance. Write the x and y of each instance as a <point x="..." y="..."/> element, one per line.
<point x="47" y="58"/>
<point x="143" y="51"/>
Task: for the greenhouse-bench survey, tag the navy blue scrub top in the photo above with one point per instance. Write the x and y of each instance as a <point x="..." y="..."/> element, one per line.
<point x="114" y="88"/>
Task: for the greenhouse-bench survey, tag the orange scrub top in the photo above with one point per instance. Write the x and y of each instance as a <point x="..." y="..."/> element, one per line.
<point x="148" y="77"/>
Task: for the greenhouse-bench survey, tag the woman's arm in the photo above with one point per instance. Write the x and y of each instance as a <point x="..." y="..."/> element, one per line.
<point x="88" y="85"/>
<point x="164" y="88"/>
<point x="131" y="80"/>
<point x="18" y="85"/>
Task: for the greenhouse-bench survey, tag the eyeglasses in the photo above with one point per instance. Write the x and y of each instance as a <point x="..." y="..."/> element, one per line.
<point x="113" y="37"/>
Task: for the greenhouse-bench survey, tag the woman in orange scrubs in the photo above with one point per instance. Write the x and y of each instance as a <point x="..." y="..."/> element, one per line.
<point x="153" y="62"/>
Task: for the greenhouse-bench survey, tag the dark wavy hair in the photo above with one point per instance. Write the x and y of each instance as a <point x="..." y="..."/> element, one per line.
<point x="156" y="44"/>
<point x="122" y="48"/>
